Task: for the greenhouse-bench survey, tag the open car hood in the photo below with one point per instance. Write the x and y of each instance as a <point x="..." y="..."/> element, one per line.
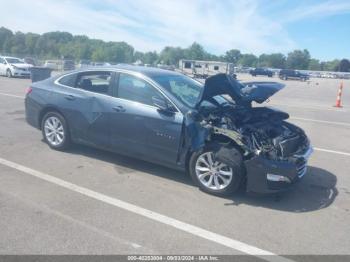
<point x="241" y="93"/>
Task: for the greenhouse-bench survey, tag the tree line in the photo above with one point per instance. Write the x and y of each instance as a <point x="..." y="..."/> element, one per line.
<point x="54" y="45"/>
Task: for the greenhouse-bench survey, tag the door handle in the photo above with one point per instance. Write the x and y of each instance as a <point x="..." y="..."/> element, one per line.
<point x="70" y="97"/>
<point x="119" y="109"/>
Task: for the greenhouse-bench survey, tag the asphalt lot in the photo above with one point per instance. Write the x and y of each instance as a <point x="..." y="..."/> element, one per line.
<point x="41" y="215"/>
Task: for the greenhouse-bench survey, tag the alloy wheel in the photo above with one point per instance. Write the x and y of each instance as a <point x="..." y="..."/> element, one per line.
<point x="54" y="131"/>
<point x="211" y="173"/>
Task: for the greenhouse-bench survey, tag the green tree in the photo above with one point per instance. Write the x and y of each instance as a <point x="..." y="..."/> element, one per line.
<point x="248" y="60"/>
<point x="18" y="44"/>
<point x="171" y="55"/>
<point x="330" y="65"/>
<point x="30" y="42"/>
<point x="5" y="37"/>
<point x="151" y="58"/>
<point x="314" y="64"/>
<point x="298" y="59"/>
<point x="232" y="56"/>
<point x="276" y="60"/>
<point x="138" y="56"/>
<point x="195" y="52"/>
<point x="344" y="65"/>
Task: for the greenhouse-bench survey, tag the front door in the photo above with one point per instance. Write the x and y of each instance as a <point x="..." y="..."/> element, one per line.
<point x="138" y="127"/>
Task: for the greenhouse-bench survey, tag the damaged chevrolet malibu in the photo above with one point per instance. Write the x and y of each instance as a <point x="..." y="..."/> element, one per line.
<point x="213" y="131"/>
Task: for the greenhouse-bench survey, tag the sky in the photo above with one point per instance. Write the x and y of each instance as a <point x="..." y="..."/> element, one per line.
<point x="252" y="26"/>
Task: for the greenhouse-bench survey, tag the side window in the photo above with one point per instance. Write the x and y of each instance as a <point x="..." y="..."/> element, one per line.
<point x="216" y="67"/>
<point x="135" y="89"/>
<point x="1" y="60"/>
<point x="97" y="82"/>
<point x="68" y="80"/>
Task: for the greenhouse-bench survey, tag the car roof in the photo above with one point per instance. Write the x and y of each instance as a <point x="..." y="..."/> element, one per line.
<point x="147" y="71"/>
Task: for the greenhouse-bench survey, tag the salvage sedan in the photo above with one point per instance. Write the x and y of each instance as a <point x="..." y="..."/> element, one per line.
<point x="212" y="131"/>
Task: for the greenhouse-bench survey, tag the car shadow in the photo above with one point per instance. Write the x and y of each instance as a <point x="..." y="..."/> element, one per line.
<point x="317" y="190"/>
<point x="124" y="164"/>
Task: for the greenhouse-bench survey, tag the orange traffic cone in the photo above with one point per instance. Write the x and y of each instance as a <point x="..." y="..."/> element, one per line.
<point x="338" y="101"/>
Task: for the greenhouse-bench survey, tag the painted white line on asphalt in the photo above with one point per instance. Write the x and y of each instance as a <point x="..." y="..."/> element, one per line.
<point x="321" y="121"/>
<point x="333" y="109"/>
<point x="77" y="222"/>
<point x="331" y="151"/>
<point x="10" y="95"/>
<point x="188" y="228"/>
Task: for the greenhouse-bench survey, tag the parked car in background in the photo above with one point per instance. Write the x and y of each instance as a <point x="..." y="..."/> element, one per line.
<point x="68" y="65"/>
<point x="286" y="74"/>
<point x="31" y="61"/>
<point x="14" y="67"/>
<point x="84" y="63"/>
<point x="166" y="67"/>
<point x="261" y="72"/>
<point x="60" y="65"/>
<point x="242" y="69"/>
<point x="168" y="118"/>
<point x="53" y="64"/>
<point x="100" y="64"/>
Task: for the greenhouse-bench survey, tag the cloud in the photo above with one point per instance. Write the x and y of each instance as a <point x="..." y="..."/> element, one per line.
<point x="151" y="25"/>
<point x="317" y="10"/>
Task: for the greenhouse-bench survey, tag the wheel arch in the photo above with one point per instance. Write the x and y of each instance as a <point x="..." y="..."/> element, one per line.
<point x="48" y="109"/>
<point x="218" y="139"/>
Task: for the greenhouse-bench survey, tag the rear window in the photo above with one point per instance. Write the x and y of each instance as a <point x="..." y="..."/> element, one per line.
<point x="68" y="80"/>
<point x="97" y="82"/>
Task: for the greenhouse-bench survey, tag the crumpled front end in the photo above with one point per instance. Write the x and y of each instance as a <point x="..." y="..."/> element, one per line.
<point x="275" y="152"/>
<point x="270" y="175"/>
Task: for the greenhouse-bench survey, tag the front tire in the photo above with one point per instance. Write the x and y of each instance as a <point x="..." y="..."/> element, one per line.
<point x="55" y="131"/>
<point x="216" y="177"/>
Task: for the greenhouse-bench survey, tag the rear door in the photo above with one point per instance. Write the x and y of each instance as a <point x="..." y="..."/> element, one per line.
<point x="138" y="127"/>
<point x="84" y="102"/>
<point x="97" y="86"/>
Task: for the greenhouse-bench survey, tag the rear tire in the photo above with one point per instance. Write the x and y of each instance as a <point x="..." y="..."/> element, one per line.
<point x="55" y="131"/>
<point x="219" y="178"/>
<point x="8" y="73"/>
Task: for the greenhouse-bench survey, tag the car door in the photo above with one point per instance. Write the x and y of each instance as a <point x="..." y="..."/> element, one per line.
<point x="140" y="129"/>
<point x="84" y="103"/>
<point x="98" y="89"/>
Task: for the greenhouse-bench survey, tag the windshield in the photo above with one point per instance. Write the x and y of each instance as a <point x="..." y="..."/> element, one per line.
<point x="14" y="61"/>
<point x="182" y="87"/>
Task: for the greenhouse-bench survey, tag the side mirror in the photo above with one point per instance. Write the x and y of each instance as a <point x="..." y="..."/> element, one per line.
<point x="162" y="104"/>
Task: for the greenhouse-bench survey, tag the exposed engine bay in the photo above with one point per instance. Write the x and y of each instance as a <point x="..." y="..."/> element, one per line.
<point x="260" y="130"/>
<point x="274" y="151"/>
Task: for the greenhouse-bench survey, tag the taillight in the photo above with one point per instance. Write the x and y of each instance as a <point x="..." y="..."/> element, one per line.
<point x="29" y="90"/>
